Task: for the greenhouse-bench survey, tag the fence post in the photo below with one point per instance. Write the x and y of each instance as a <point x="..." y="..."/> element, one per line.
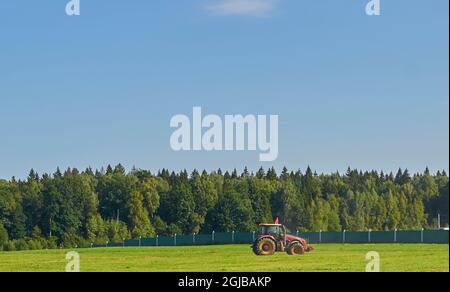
<point x="92" y="245"/>
<point x="175" y="239"/>
<point x="157" y="240"/>
<point x="193" y="239"/>
<point x="421" y="236"/>
<point x="369" y="236"/>
<point x="253" y="236"/>
<point x="296" y="233"/>
<point x="320" y="236"/>
<point x="343" y="236"/>
<point x="107" y="244"/>
<point x="232" y="237"/>
<point x="395" y="235"/>
<point x="140" y="241"/>
<point x="123" y="242"/>
<point x="212" y="237"/>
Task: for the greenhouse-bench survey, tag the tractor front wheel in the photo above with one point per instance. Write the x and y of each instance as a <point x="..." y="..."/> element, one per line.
<point x="295" y="248"/>
<point x="264" y="247"/>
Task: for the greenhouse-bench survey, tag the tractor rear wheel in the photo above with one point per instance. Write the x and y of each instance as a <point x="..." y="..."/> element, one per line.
<point x="295" y="248"/>
<point x="264" y="247"/>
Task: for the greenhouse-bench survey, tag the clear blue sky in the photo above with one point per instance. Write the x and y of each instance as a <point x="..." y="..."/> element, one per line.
<point x="350" y="90"/>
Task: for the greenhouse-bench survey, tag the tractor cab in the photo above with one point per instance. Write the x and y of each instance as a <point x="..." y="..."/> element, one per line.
<point x="275" y="230"/>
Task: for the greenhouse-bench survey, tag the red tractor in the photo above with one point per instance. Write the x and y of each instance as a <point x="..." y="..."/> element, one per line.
<point x="274" y="238"/>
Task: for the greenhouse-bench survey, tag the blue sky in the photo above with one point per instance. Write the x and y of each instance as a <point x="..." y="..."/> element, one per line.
<point x="98" y="89"/>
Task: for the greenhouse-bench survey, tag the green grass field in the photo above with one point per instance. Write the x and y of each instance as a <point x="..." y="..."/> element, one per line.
<point x="229" y="258"/>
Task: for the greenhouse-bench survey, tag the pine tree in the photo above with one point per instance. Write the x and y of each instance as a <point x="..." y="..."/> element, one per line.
<point x="285" y="174"/>
<point x="271" y="174"/>
<point x="4" y="238"/>
<point x="261" y="173"/>
<point x="138" y="216"/>
<point x="393" y="213"/>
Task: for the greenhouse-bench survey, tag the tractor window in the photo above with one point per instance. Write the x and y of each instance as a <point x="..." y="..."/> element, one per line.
<point x="274" y="230"/>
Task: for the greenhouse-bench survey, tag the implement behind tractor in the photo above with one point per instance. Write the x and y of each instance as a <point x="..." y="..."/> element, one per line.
<point x="274" y="238"/>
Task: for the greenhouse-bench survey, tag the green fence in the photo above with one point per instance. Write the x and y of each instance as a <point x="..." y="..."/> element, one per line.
<point x="400" y="236"/>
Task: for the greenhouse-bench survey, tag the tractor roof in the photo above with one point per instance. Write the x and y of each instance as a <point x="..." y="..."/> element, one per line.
<point x="271" y="225"/>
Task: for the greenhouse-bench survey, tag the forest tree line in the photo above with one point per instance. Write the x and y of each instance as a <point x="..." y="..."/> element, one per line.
<point x="78" y="208"/>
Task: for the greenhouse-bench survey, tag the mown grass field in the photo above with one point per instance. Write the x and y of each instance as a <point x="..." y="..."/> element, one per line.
<point x="237" y="258"/>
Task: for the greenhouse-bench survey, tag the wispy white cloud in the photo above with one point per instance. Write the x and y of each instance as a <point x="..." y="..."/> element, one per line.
<point x="241" y="7"/>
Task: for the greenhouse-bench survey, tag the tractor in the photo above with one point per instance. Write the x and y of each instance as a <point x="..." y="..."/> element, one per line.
<point x="274" y="238"/>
